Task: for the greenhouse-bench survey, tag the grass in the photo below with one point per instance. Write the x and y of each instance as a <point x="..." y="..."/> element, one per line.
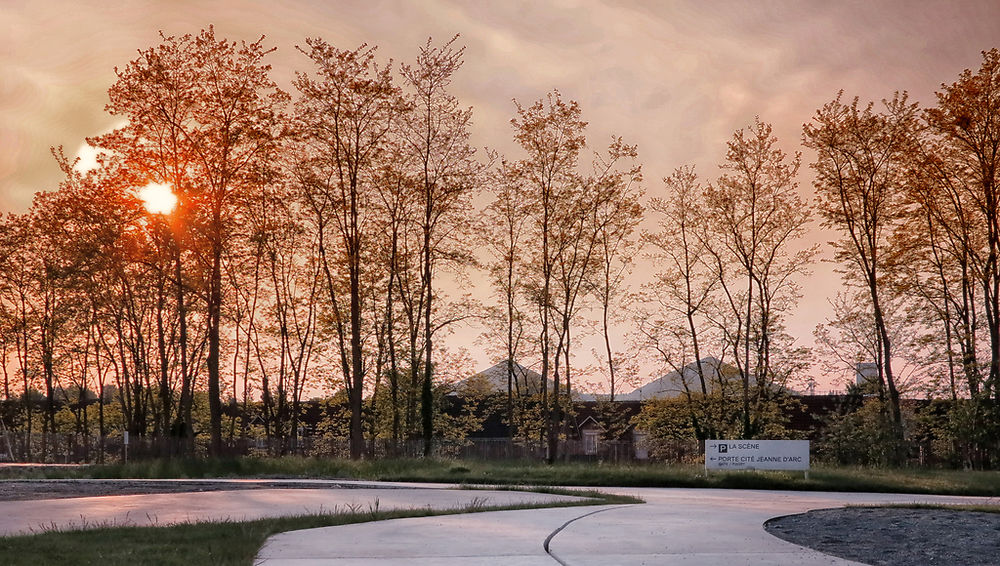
<point x="221" y="543"/>
<point x="821" y="478"/>
<point x="238" y="542"/>
<point x="973" y="507"/>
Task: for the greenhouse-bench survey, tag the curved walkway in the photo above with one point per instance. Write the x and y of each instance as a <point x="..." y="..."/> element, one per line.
<point x="18" y="517"/>
<point x="675" y="526"/>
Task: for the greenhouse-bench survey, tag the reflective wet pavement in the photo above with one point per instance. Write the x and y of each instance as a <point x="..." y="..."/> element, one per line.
<point x="674" y="526"/>
<point x="168" y="508"/>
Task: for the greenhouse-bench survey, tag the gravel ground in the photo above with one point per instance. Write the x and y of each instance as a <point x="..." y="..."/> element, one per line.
<point x="18" y="490"/>
<point x="896" y="537"/>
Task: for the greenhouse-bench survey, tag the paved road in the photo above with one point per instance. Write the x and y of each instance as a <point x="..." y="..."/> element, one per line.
<point x="676" y="526"/>
<point x="167" y="508"/>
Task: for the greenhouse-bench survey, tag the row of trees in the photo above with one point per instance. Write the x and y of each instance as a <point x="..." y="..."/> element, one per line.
<point x="304" y="242"/>
<point x="733" y="259"/>
<point x="307" y="246"/>
<point x="319" y="238"/>
<point x="913" y="195"/>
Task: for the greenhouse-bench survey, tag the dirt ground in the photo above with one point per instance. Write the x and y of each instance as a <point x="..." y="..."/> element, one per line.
<point x="896" y="537"/>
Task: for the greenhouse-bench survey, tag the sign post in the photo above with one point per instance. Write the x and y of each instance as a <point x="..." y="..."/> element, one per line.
<point x="126" y="446"/>
<point x="757" y="455"/>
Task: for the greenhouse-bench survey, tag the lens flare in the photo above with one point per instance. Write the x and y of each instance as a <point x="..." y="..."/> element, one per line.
<point x="158" y="198"/>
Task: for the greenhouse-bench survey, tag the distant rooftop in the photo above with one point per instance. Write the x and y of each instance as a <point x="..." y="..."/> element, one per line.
<point x="495" y="379"/>
<point x="686" y="378"/>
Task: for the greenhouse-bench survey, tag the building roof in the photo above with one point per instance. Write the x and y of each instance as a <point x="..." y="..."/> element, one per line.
<point x="677" y="382"/>
<point x="495" y="379"/>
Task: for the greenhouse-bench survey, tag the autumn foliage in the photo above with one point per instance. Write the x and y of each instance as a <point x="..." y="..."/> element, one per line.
<point x="327" y="240"/>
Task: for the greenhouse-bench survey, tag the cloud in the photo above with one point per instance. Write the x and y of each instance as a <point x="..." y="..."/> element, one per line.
<point x="676" y="78"/>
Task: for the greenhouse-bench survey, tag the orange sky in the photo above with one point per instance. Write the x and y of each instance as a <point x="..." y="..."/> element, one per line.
<point x="675" y="77"/>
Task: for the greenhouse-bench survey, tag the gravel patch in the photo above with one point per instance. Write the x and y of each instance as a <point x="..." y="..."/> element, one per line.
<point x="896" y="536"/>
<point x="22" y="490"/>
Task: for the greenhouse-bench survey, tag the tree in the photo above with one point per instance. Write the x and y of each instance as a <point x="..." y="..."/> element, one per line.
<point x="397" y="202"/>
<point x="848" y="338"/>
<point x="567" y="210"/>
<point x="967" y="121"/>
<point x="437" y="132"/>
<point x="686" y="284"/>
<point x="213" y="101"/>
<point x="617" y="214"/>
<point x="551" y="132"/>
<point x="860" y="167"/>
<point x="939" y="291"/>
<point x="504" y="231"/>
<point x="682" y="290"/>
<point x="18" y="266"/>
<point x="276" y="278"/>
<point x="754" y="217"/>
<point x="957" y="190"/>
<point x="344" y="119"/>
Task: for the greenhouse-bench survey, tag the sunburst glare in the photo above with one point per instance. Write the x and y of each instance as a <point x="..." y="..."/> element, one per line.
<point x="158" y="198"/>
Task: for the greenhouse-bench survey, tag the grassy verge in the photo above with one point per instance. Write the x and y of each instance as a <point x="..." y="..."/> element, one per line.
<point x="977" y="508"/>
<point x="221" y="543"/>
<point x="947" y="482"/>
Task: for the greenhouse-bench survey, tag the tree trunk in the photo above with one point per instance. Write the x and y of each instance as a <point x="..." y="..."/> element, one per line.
<point x="357" y="365"/>
<point x="214" y="320"/>
<point x="426" y="393"/>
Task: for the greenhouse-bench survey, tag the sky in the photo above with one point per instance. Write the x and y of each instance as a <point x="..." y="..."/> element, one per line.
<point x="677" y="78"/>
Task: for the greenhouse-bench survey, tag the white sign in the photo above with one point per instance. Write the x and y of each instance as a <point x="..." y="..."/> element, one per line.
<point x="757" y="454"/>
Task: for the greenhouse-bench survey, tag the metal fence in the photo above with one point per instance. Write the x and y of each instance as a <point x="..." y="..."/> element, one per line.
<point x="69" y="448"/>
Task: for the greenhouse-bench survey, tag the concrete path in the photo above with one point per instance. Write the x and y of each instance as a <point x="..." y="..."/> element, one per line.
<point x="501" y="538"/>
<point x="676" y="526"/>
<point x="169" y="508"/>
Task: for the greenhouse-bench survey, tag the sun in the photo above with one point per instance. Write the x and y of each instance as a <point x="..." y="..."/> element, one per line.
<point x="158" y="198"/>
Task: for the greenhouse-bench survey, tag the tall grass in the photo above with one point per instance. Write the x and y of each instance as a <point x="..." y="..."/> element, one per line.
<point x="980" y="508"/>
<point x="919" y="481"/>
